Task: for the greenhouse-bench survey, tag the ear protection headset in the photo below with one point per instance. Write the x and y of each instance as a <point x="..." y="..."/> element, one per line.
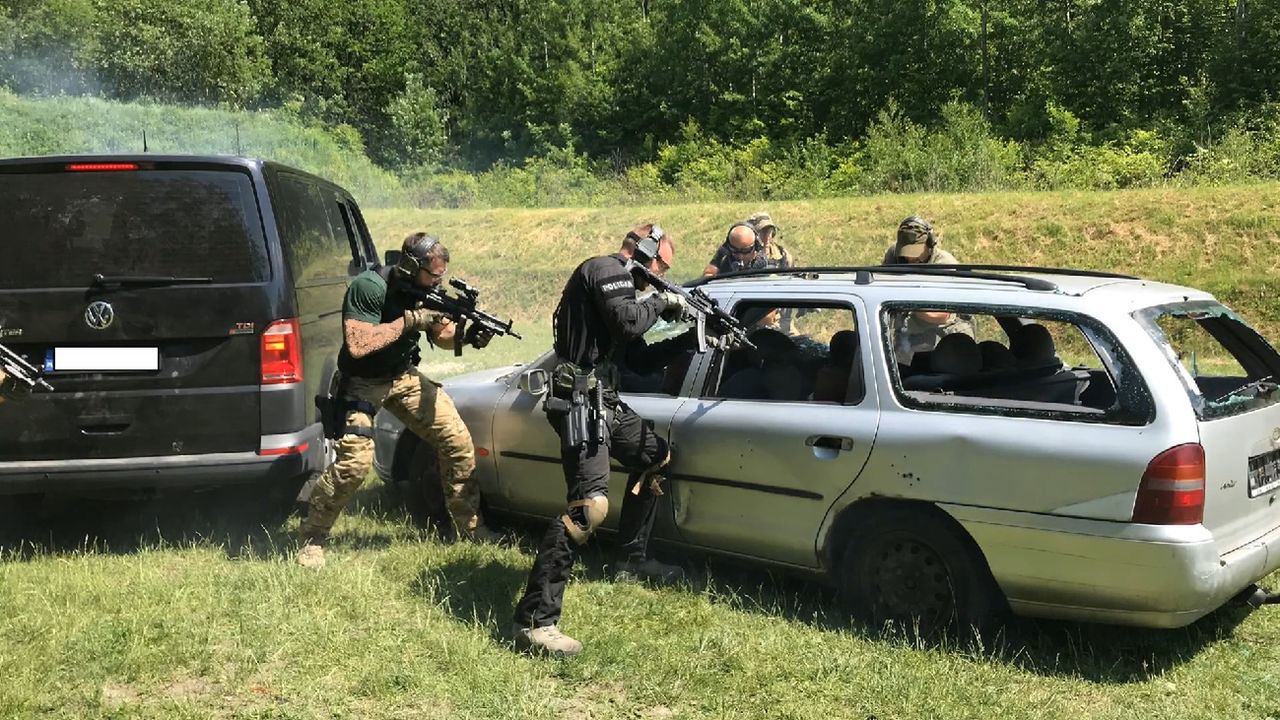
<point x="647" y="247"/>
<point x="414" y="256"/>
<point x="918" y="222"/>
<point x="755" y="235"/>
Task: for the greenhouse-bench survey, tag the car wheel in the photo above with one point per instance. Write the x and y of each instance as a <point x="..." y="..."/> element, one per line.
<point x="416" y="471"/>
<point x="915" y="569"/>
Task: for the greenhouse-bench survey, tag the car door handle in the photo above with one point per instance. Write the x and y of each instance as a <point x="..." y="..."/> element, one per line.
<point x="830" y="442"/>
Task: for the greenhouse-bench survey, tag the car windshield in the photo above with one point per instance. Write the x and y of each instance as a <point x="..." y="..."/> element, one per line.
<point x="65" y="228"/>
<point x="1227" y="367"/>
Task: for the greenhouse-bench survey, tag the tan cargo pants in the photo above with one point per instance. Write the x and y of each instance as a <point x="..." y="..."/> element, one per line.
<point x="426" y="410"/>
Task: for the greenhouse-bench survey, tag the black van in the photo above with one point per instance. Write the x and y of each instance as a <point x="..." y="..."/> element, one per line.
<point x="183" y="308"/>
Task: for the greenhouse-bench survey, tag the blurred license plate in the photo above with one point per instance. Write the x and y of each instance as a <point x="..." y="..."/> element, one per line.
<point x="100" y="359"/>
<point x="1264" y="473"/>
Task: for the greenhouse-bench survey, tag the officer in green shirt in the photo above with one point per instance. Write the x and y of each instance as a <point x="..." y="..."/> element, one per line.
<point x="382" y="326"/>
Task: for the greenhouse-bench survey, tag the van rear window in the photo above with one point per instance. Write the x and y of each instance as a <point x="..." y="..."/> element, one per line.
<point x="1226" y="366"/>
<point x="62" y="228"/>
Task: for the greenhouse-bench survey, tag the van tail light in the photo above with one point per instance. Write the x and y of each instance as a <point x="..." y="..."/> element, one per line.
<point x="282" y="352"/>
<point x="287" y="450"/>
<point x="1172" y="488"/>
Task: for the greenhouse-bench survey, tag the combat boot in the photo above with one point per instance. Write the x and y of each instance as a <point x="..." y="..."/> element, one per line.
<point x="311" y="556"/>
<point x="546" y="639"/>
<point x="649" y="570"/>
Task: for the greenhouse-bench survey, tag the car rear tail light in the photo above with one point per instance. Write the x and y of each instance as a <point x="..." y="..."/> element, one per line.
<point x="282" y="353"/>
<point x="1172" y="488"/>
<point x="101" y="167"/>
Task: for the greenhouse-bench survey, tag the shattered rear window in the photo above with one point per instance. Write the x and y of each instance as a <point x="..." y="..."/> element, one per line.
<point x="1225" y="365"/>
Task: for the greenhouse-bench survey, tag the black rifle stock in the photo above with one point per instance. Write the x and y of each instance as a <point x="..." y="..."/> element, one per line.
<point x="462" y="309"/>
<point x="22" y="371"/>
<point x="702" y="307"/>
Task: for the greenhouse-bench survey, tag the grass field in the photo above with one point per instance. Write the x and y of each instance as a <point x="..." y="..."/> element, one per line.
<point x="166" y="609"/>
<point x="1224" y="240"/>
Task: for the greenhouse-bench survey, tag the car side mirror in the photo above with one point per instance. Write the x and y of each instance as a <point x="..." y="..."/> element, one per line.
<point x="534" y="382"/>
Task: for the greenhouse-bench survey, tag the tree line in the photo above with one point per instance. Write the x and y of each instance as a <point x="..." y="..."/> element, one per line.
<point x="1143" y="88"/>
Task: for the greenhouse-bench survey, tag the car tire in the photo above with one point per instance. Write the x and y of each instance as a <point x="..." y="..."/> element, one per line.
<point x="917" y="570"/>
<point x="416" y="472"/>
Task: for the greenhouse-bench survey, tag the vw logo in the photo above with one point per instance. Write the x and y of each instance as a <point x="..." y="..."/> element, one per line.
<point x="99" y="315"/>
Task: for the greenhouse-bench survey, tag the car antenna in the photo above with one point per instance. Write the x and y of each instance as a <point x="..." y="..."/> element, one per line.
<point x="238" y="150"/>
<point x="144" y="140"/>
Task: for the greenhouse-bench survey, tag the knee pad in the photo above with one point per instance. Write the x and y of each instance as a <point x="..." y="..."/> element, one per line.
<point x="592" y="510"/>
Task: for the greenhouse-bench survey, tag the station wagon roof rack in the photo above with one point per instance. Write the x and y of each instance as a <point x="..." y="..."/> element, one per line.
<point x="864" y="274"/>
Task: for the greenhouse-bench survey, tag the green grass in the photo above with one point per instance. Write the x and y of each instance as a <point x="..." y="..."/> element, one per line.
<point x="1223" y="239"/>
<point x="167" y="610"/>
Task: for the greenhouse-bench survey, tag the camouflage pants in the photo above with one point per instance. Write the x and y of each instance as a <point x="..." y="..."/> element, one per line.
<point x="426" y="410"/>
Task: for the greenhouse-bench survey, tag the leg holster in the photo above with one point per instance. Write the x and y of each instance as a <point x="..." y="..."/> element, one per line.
<point x="579" y="395"/>
<point x="333" y="406"/>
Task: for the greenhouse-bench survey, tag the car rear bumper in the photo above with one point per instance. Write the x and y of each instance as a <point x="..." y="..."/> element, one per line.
<point x="1122" y="573"/>
<point x="211" y="469"/>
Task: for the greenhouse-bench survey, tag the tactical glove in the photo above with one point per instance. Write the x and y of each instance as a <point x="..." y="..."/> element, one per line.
<point x="420" y="319"/>
<point x="675" y="306"/>
<point x="478" y="336"/>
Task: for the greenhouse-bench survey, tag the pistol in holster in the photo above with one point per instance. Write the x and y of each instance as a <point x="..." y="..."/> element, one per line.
<point x="579" y="395"/>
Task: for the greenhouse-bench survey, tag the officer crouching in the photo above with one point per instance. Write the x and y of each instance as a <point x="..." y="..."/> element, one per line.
<point x="598" y="326"/>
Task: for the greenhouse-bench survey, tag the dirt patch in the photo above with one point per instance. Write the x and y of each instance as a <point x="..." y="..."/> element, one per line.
<point x="115" y="695"/>
<point x="187" y="688"/>
<point x="593" y="701"/>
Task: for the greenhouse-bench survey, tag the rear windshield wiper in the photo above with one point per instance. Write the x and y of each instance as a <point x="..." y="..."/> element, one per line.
<point x="100" y="280"/>
<point x="1249" y="386"/>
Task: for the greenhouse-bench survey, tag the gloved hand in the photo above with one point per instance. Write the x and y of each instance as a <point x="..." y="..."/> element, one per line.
<point x="478" y="336"/>
<point x="675" y="306"/>
<point x="420" y="319"/>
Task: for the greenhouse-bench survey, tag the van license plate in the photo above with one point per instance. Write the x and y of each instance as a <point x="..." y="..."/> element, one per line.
<point x="105" y="359"/>
<point x="1264" y="473"/>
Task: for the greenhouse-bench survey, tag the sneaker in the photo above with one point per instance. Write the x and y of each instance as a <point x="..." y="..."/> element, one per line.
<point x="311" y="556"/>
<point x="649" y="570"/>
<point x="546" y="639"/>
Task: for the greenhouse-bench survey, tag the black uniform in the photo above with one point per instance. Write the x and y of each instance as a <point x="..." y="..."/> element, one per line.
<point x="599" y="322"/>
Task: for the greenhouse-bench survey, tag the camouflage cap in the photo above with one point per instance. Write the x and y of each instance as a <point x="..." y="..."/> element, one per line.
<point x="915" y="238"/>
<point x="761" y="220"/>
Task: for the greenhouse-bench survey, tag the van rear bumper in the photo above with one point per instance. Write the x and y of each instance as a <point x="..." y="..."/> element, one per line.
<point x="211" y="469"/>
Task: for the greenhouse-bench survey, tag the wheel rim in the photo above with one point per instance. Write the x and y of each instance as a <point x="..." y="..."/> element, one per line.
<point x="908" y="581"/>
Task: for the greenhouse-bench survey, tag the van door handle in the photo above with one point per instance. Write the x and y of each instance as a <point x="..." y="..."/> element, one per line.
<point x="830" y="442"/>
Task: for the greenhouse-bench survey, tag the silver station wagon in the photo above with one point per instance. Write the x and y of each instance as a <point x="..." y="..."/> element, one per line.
<point x="945" y="443"/>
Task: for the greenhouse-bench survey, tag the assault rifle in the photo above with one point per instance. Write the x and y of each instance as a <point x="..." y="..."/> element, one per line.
<point x="462" y="309"/>
<point x="22" y="373"/>
<point x="703" y="308"/>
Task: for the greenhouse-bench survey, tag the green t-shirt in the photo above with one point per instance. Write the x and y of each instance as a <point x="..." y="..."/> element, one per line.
<point x="368" y="300"/>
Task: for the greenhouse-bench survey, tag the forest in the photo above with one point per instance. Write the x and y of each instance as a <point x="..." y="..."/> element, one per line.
<point x="715" y="99"/>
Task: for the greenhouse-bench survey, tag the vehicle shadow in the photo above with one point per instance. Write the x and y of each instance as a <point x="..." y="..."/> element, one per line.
<point x="232" y="520"/>
<point x="1099" y="653"/>
<point x="483" y="593"/>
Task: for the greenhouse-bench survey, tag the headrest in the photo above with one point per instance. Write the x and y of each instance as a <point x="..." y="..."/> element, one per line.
<point x="996" y="356"/>
<point x="843" y="347"/>
<point x="956" y="354"/>
<point x="1032" y="343"/>
<point x="772" y="344"/>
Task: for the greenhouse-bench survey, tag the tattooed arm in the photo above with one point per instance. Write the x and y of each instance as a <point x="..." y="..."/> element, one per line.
<point x="364" y="338"/>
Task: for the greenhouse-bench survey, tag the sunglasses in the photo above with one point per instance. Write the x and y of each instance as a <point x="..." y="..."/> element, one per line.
<point x="743" y="252"/>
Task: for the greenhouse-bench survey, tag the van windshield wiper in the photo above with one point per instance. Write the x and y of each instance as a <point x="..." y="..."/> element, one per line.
<point x="1249" y="386"/>
<point x="100" y="280"/>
